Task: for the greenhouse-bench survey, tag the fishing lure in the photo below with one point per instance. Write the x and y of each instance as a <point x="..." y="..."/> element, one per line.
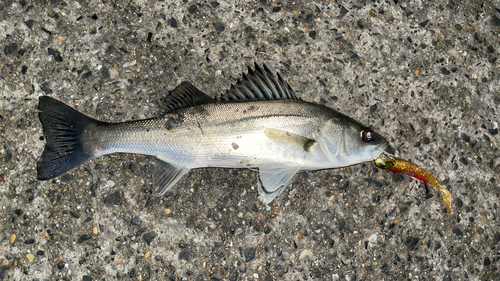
<point x="398" y="165"/>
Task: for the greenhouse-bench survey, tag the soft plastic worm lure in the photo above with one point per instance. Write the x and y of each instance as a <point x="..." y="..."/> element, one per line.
<point x="398" y="165"/>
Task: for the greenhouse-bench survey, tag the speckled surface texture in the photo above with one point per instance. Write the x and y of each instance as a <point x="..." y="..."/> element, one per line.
<point x="424" y="73"/>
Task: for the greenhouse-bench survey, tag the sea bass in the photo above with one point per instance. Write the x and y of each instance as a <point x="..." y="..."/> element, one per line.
<point x="257" y="123"/>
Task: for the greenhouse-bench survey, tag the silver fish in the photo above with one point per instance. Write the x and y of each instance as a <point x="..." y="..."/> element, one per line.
<point x="257" y="123"/>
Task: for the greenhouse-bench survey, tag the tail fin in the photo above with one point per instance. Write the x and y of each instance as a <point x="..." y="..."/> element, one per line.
<point x="62" y="127"/>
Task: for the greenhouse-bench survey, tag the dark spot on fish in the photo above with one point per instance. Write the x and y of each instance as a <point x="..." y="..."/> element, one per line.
<point x="235" y="146"/>
<point x="250" y="108"/>
<point x="308" y="144"/>
<point x="171" y="123"/>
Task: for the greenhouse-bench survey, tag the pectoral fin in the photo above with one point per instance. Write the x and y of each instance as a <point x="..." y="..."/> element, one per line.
<point x="290" y="139"/>
<point x="274" y="178"/>
<point x="166" y="175"/>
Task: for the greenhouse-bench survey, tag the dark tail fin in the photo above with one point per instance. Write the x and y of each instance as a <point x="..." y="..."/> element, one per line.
<point x="62" y="127"/>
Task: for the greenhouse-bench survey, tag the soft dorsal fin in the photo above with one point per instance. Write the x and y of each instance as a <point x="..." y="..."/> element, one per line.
<point x="260" y="84"/>
<point x="183" y="96"/>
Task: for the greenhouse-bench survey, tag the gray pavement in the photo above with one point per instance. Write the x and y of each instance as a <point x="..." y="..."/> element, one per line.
<point x="424" y="73"/>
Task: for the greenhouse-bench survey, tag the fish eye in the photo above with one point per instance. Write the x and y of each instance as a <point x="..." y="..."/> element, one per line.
<point x="367" y="135"/>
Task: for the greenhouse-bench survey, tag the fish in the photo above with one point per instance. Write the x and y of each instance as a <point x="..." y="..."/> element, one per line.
<point x="398" y="165"/>
<point x="258" y="123"/>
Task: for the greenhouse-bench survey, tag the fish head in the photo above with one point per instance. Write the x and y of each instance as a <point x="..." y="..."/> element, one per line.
<point x="347" y="142"/>
<point x="363" y="144"/>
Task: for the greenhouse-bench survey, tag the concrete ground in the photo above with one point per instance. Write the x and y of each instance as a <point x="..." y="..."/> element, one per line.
<point x="423" y="73"/>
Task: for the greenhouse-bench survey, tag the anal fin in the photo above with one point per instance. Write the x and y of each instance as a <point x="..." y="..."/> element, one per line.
<point x="166" y="175"/>
<point x="274" y="178"/>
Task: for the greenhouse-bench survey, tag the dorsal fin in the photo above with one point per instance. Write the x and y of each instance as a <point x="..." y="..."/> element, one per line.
<point x="183" y="96"/>
<point x="260" y="84"/>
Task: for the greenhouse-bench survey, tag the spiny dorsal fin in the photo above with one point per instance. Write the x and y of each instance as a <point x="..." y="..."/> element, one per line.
<point x="183" y="96"/>
<point x="260" y="84"/>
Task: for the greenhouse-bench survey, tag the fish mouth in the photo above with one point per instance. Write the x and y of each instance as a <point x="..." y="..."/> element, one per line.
<point x="381" y="151"/>
<point x="389" y="150"/>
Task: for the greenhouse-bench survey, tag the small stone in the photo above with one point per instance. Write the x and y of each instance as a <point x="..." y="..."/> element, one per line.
<point x="279" y="251"/>
<point x="141" y="231"/>
<point x="29" y="241"/>
<point x="173" y="23"/>
<point x="56" y="54"/>
<point x="30" y="257"/>
<point x="219" y="27"/>
<point x="192" y="9"/>
<point x="74" y="214"/>
<point x="18" y="212"/>
<point x="105" y="72"/>
<point x="149" y="237"/>
<point x="112" y="199"/>
<point x="457" y="232"/>
<point x="167" y="211"/>
<point x="304" y="254"/>
<point x="463" y="161"/>
<point x="267" y="229"/>
<point x="184" y="255"/>
<point x="87" y="75"/>
<point x="61" y="265"/>
<point x="445" y="71"/>
<point x="412" y="243"/>
<point x="496" y="237"/>
<point x="29" y="23"/>
<point x="250" y="254"/>
<point x="495" y="20"/>
<point x="136" y="221"/>
<point x="87" y="278"/>
<point x="83" y="238"/>
<point x="217" y="217"/>
<point x="12" y="239"/>
<point x="10" y="49"/>
<point x="94" y="230"/>
<point x="45" y="87"/>
<point x="493" y="131"/>
<point x="147" y="255"/>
